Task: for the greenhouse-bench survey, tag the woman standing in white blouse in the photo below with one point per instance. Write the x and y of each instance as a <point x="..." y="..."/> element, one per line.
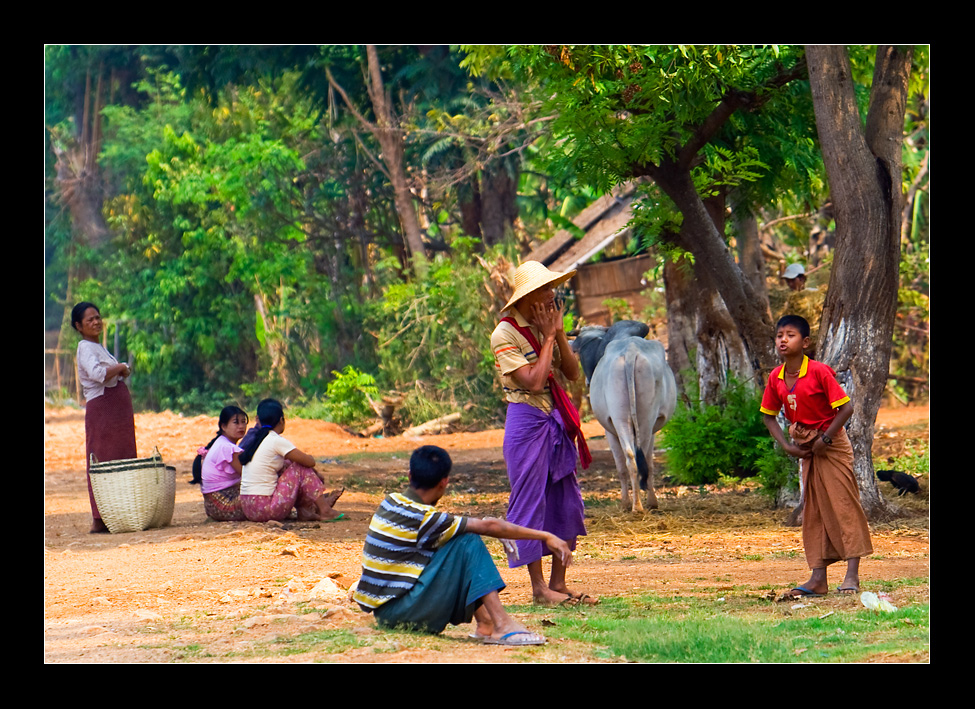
<point x="109" y="419"/>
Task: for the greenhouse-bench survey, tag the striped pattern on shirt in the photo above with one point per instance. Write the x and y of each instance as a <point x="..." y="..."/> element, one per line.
<point x="513" y="351"/>
<point x="403" y="536"/>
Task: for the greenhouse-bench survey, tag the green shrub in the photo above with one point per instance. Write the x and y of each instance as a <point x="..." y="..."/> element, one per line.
<point x="727" y="438"/>
<point x="915" y="461"/>
<point x="775" y="469"/>
<point x="433" y="339"/>
<point x="347" y="397"/>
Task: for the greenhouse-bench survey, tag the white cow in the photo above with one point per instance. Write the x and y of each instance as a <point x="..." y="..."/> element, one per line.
<point x="632" y="393"/>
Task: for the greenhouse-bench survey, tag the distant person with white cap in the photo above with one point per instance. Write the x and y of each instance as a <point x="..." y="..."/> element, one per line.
<point x="795" y="276"/>
<point x="542" y="431"/>
<point x="801" y="300"/>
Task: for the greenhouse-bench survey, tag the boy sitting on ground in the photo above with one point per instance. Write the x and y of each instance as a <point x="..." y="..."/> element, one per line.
<point x="423" y="568"/>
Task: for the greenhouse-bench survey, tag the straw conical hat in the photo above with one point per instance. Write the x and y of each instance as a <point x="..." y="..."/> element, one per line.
<point x="532" y="275"/>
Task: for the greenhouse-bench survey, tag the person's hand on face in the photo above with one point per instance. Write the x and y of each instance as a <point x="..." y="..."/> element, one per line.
<point x="545" y="314"/>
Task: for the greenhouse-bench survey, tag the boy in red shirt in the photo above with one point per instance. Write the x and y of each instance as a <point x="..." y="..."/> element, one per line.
<point x="834" y="527"/>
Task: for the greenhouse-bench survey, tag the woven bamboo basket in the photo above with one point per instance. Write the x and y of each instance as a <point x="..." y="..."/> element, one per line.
<point x="135" y="493"/>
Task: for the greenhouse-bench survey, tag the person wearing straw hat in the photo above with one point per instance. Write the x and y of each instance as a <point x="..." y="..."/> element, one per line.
<point x="542" y="434"/>
<point x="109" y="417"/>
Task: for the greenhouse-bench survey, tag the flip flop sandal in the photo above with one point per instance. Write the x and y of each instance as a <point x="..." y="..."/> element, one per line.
<point x="847" y="591"/>
<point x="583" y="599"/>
<point x="802" y="593"/>
<point x="514" y="639"/>
<point x="334" y="519"/>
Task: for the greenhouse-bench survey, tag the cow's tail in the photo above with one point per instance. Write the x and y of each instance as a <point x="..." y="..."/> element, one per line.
<point x="641" y="460"/>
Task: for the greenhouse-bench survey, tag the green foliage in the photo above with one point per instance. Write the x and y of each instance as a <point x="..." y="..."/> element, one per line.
<point x="727" y="438"/>
<point x="433" y="339"/>
<point x="737" y="628"/>
<point x="131" y="133"/>
<point x="623" y="103"/>
<point x="915" y="461"/>
<point x="910" y="354"/>
<point x="210" y="229"/>
<point x="619" y="309"/>
<point x="775" y="470"/>
<point x="613" y="110"/>
<point x="347" y="397"/>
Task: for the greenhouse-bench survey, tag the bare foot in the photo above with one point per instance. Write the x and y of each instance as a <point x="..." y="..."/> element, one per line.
<point x="813" y="587"/>
<point x="483" y="629"/>
<point x="548" y="597"/>
<point x="817" y="585"/>
<point x="331" y="498"/>
<point x="329" y="514"/>
<point x="519" y="636"/>
<point x="581" y="599"/>
<point x="574" y="597"/>
<point x="308" y="512"/>
<point x="324" y="506"/>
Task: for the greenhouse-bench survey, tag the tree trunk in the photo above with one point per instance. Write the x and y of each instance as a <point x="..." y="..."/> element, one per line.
<point x="863" y="166"/>
<point x="469" y="202"/>
<point x="717" y="270"/>
<point x="275" y="342"/>
<point x="750" y="258"/>
<point x="391" y="140"/>
<point x="78" y="180"/>
<point x="499" y="190"/>
<point x="701" y="334"/>
<point x="681" y="319"/>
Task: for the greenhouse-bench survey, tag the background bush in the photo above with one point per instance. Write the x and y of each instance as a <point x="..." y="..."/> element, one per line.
<point x="724" y="439"/>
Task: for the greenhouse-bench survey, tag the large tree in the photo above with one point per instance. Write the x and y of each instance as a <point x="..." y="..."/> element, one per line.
<point x="693" y="122"/>
<point x="389" y="133"/>
<point x="864" y="168"/>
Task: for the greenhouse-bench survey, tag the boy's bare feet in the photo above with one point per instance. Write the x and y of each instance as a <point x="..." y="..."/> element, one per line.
<point x="496" y="627"/>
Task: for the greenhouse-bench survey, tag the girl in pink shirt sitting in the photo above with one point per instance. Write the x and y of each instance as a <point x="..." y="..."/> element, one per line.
<point x="221" y="468"/>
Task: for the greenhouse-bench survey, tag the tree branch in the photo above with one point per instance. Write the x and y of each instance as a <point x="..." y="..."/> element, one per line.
<point x="790" y="217"/>
<point x="733" y="101"/>
<point x="370" y="126"/>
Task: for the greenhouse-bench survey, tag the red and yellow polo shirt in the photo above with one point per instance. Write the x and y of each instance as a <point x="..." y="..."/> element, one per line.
<point x="812" y="399"/>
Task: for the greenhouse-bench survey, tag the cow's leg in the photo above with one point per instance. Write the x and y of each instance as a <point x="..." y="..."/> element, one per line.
<point x="651" y="495"/>
<point x="634" y="473"/>
<point x="626" y="487"/>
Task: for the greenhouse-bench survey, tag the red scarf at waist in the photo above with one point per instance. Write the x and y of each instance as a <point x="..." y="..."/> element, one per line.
<point x="564" y="405"/>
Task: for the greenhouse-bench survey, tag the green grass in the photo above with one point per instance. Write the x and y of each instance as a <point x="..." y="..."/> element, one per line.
<point x="728" y="627"/>
<point x="741" y="630"/>
<point x="712" y="625"/>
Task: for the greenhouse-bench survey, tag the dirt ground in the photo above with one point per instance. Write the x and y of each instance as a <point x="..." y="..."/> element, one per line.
<point x="202" y="591"/>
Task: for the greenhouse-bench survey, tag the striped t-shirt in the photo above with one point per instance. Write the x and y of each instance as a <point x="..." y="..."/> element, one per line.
<point x="403" y="536"/>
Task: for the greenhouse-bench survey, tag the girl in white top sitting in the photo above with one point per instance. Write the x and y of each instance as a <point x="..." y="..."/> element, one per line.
<point x="277" y="476"/>
<point x="109" y="419"/>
